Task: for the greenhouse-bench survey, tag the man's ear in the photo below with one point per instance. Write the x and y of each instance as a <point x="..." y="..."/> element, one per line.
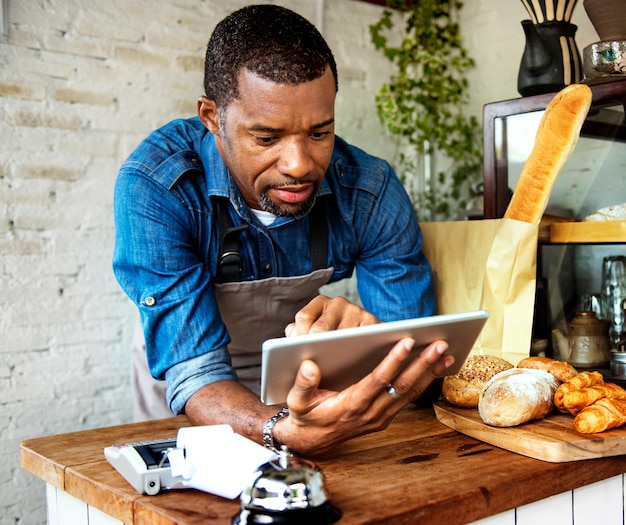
<point x="208" y="114"/>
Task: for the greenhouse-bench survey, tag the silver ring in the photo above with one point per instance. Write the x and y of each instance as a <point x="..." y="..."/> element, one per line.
<point x="392" y="392"/>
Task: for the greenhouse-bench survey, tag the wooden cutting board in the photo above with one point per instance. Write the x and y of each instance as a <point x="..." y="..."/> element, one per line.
<point x="550" y="439"/>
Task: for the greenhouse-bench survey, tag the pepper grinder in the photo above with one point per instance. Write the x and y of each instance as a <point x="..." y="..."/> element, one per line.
<point x="286" y="490"/>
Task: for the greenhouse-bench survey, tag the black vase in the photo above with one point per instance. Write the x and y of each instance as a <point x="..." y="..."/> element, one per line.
<point x="551" y="58"/>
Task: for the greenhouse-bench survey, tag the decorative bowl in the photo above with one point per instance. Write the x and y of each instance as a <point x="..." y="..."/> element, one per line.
<point x="605" y="58"/>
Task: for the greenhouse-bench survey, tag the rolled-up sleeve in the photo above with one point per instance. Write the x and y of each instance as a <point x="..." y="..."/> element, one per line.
<point x="158" y="263"/>
<point x="186" y="378"/>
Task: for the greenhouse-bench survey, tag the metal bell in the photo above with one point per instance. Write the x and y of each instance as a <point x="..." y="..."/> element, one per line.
<point x="286" y="490"/>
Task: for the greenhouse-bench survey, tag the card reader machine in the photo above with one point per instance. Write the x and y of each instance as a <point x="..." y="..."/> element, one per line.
<point x="144" y="465"/>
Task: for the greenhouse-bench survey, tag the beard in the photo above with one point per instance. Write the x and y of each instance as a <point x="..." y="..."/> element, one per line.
<point x="286" y="210"/>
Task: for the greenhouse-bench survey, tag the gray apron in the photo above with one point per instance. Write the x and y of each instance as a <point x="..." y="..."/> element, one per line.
<point x="253" y="311"/>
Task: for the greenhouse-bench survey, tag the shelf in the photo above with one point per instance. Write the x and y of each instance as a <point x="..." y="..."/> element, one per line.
<point x="588" y="232"/>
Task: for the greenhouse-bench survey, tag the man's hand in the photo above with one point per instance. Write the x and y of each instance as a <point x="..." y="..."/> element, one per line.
<point x="321" y="419"/>
<point x="324" y="313"/>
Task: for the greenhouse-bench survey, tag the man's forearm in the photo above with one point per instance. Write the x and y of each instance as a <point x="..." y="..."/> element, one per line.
<point x="228" y="402"/>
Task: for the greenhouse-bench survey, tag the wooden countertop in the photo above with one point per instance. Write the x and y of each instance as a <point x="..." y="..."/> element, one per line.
<point x="416" y="471"/>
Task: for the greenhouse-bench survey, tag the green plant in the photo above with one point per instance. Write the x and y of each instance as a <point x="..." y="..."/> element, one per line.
<point x="423" y="104"/>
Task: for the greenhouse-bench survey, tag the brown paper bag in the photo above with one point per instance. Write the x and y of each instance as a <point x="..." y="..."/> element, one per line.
<point x="490" y="265"/>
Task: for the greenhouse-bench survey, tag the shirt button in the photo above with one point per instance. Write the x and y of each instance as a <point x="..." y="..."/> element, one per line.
<point x="268" y="269"/>
<point x="150" y="301"/>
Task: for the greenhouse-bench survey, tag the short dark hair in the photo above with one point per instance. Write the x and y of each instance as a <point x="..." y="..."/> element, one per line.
<point x="271" y="41"/>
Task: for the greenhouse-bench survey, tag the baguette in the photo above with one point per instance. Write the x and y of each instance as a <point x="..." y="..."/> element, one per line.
<point x="562" y="370"/>
<point x="603" y="415"/>
<point x="517" y="396"/>
<point x="556" y="137"/>
<point x="463" y="388"/>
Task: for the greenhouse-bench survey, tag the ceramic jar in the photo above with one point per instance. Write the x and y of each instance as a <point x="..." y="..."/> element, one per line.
<point x="608" y="18"/>
<point x="589" y="345"/>
<point x="551" y="59"/>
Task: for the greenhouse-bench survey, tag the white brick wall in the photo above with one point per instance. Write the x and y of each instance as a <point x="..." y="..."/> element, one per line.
<point x="81" y="83"/>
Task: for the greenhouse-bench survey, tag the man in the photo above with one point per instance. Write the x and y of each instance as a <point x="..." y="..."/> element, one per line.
<point x="228" y="224"/>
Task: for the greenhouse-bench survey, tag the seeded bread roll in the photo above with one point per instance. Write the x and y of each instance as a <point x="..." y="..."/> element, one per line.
<point x="560" y="369"/>
<point x="463" y="389"/>
<point x="556" y="137"/>
<point x="517" y="396"/>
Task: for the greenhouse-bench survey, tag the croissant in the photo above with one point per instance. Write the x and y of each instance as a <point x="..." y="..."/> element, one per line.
<point x="573" y="402"/>
<point x="582" y="380"/>
<point x="602" y="415"/>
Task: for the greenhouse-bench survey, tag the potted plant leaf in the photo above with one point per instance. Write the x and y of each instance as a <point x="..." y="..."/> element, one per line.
<point x="423" y="104"/>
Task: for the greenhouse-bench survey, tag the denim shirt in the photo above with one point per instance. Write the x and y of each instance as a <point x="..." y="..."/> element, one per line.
<point x="167" y="247"/>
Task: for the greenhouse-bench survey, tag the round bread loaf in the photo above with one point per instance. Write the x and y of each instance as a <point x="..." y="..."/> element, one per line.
<point x="517" y="396"/>
<point x="463" y="388"/>
<point x="616" y="212"/>
<point x="560" y="369"/>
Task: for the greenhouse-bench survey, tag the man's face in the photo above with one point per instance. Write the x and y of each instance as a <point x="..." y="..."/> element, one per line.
<point x="276" y="140"/>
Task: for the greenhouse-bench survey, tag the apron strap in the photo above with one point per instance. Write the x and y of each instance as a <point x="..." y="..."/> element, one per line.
<point x="318" y="228"/>
<point x="229" y="263"/>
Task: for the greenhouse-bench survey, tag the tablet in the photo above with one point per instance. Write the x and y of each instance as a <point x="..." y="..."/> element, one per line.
<point x="347" y="355"/>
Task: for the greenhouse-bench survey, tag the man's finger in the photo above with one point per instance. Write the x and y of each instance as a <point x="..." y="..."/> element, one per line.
<point x="304" y="390"/>
<point x="307" y="315"/>
<point x="418" y="374"/>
